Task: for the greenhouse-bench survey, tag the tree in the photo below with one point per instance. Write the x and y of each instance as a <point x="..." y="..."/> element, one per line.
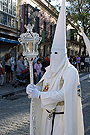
<point x="78" y="14"/>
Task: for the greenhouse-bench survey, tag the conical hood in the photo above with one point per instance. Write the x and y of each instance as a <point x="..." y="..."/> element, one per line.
<point x="58" y="58"/>
<point x="59" y="41"/>
<point x="86" y="40"/>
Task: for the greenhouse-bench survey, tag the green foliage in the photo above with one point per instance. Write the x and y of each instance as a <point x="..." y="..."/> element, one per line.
<point x="78" y="13"/>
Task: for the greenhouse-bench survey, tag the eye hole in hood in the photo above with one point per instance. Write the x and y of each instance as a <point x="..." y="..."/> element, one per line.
<point x="56" y="52"/>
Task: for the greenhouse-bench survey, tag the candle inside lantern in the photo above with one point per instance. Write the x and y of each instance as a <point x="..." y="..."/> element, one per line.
<point x="30" y="46"/>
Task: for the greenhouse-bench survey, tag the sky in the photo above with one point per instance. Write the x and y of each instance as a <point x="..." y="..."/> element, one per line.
<point x="55" y="2"/>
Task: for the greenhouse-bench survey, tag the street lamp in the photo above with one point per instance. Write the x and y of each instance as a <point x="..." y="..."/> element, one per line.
<point x="30" y="41"/>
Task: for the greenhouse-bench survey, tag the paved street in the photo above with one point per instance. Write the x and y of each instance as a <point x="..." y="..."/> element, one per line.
<point x="14" y="115"/>
<point x="85" y="85"/>
<point x="14" y="111"/>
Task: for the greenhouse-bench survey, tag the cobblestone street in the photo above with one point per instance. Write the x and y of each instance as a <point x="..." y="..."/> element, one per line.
<point x="85" y="86"/>
<point x="15" y="112"/>
<point x="14" y="115"/>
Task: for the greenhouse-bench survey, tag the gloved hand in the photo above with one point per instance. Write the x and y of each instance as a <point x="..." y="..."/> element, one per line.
<point x="32" y="91"/>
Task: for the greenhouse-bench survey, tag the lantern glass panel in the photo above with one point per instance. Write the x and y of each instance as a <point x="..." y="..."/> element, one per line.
<point x="24" y="47"/>
<point x="30" y="47"/>
<point x="36" y="47"/>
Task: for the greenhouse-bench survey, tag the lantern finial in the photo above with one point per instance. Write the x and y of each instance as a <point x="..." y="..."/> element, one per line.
<point x="29" y="27"/>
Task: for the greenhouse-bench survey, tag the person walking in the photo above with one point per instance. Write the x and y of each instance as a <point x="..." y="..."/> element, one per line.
<point x="87" y="63"/>
<point x="2" y="73"/>
<point x="47" y="60"/>
<point x="20" y="66"/>
<point x="82" y="62"/>
<point x="78" y="62"/>
<point x="37" y="70"/>
<point x="57" y="96"/>
<point x="7" y="66"/>
<point x="44" y="64"/>
<point x="12" y="67"/>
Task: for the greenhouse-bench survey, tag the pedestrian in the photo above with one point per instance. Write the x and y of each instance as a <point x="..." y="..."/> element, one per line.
<point x="57" y="96"/>
<point x="44" y="64"/>
<point x="35" y="61"/>
<point x="12" y="67"/>
<point x="78" y="62"/>
<point x="37" y="70"/>
<point x="20" y="66"/>
<point x="7" y="66"/>
<point x="2" y="73"/>
<point x="47" y="60"/>
<point x="74" y="60"/>
<point x="82" y="62"/>
<point x="71" y="60"/>
<point x="87" y="63"/>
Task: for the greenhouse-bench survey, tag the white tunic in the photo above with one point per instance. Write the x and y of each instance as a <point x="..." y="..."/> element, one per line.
<point x="69" y="123"/>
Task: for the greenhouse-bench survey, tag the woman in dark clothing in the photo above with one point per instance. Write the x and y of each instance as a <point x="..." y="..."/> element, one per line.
<point x="7" y="60"/>
<point x="44" y="64"/>
<point x="82" y="62"/>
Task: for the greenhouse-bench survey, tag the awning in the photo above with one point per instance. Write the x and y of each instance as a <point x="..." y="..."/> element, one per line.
<point x="9" y="41"/>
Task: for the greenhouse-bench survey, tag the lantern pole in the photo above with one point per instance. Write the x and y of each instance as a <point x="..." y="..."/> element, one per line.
<point x="30" y="41"/>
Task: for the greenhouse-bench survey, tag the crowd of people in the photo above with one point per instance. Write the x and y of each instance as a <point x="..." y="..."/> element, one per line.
<point x="82" y="63"/>
<point x="39" y="66"/>
<point x="10" y="68"/>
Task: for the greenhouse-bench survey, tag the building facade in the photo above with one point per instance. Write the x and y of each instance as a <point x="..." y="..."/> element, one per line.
<point x="74" y="44"/>
<point x="14" y="14"/>
<point x="8" y="28"/>
<point x="44" y="17"/>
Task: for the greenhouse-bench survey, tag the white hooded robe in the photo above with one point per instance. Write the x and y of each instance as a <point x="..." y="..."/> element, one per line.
<point x="69" y="123"/>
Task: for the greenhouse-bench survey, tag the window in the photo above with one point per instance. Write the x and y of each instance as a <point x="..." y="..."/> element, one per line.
<point x="0" y="5"/>
<point x="71" y="34"/>
<point x="4" y="5"/>
<point x="37" y="21"/>
<point x="12" y="22"/>
<point x="3" y="19"/>
<point x="14" y="7"/>
<point x="9" y="21"/>
<point x="26" y="21"/>
<point x="45" y="29"/>
<point x="50" y="30"/>
<point x="10" y="6"/>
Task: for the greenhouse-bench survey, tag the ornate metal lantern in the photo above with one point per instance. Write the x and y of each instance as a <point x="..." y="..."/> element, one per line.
<point x="30" y="41"/>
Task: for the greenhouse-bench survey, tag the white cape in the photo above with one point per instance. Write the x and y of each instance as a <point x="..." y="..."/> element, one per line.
<point x="69" y="123"/>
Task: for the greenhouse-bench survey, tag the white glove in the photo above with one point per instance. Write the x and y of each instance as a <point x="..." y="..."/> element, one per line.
<point x="31" y="85"/>
<point x="32" y="91"/>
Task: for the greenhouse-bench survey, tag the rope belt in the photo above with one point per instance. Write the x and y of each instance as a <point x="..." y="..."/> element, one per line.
<point x="53" y="116"/>
<point x="55" y="112"/>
